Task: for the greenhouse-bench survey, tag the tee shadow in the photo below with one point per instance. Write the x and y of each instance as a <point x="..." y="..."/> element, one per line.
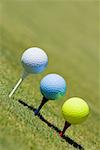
<point x="66" y="138"/>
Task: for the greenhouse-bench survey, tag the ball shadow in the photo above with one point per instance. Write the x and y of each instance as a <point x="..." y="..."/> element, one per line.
<point x="66" y="138"/>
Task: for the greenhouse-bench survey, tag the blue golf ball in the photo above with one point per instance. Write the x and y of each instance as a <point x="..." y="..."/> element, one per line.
<point x="53" y="86"/>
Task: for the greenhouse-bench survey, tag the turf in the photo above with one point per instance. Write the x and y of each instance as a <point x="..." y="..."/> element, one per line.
<point x="69" y="33"/>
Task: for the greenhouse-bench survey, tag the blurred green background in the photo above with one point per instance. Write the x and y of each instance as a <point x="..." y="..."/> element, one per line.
<point x="69" y="33"/>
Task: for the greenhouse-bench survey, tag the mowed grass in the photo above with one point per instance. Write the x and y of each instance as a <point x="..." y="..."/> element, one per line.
<point x="68" y="32"/>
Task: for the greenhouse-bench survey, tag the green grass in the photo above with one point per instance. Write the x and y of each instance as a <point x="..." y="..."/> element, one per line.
<point x="68" y="32"/>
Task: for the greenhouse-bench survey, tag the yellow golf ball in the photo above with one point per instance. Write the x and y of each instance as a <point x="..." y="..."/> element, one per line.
<point x="75" y="110"/>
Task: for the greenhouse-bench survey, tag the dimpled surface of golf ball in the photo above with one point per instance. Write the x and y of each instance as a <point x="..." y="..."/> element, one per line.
<point x="53" y="86"/>
<point x="34" y="60"/>
<point x="75" y="110"/>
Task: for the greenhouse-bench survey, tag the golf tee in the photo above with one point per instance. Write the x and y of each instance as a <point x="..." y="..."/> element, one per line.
<point x="44" y="100"/>
<point x="18" y="83"/>
<point x="15" y="88"/>
<point x="66" y="125"/>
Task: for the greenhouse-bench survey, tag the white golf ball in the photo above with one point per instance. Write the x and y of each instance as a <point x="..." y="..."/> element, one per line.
<point x="34" y="60"/>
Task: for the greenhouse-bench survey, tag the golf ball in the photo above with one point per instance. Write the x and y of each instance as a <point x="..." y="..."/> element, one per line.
<point x="34" y="60"/>
<point x="75" y="110"/>
<point x="53" y="86"/>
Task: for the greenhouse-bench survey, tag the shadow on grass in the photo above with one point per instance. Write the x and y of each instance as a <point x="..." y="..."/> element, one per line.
<point x="66" y="138"/>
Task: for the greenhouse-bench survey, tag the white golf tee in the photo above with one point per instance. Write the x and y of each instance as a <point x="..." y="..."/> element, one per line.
<point x="24" y="75"/>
